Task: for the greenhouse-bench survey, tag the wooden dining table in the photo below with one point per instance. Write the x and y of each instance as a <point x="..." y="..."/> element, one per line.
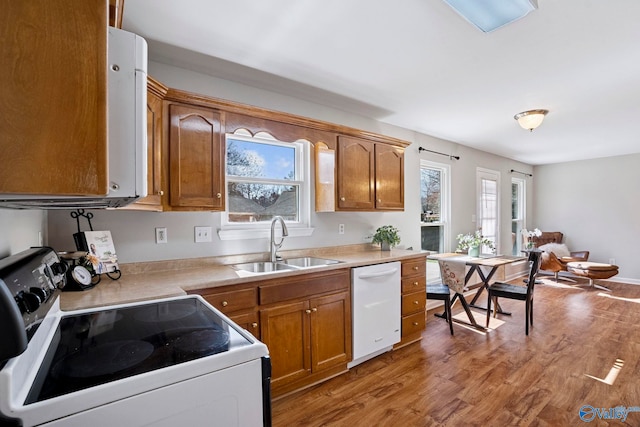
<point x="486" y="267"/>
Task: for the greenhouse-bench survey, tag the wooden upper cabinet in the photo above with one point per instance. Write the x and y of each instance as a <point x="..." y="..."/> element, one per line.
<point x="370" y="175"/>
<point x="53" y="125"/>
<point x="196" y="158"/>
<point x="389" y="177"/>
<point x="116" y="9"/>
<point x="153" y="201"/>
<point x="356" y="169"/>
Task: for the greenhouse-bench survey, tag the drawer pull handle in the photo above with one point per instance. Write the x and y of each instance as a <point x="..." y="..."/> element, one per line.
<point x="225" y="303"/>
<point x="254" y="325"/>
<point x="415" y="323"/>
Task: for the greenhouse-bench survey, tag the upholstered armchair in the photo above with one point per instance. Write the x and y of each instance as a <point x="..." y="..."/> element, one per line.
<point x="556" y="255"/>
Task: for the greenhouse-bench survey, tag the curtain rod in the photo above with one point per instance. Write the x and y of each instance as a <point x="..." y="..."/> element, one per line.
<point x="523" y="173"/>
<point x="450" y="156"/>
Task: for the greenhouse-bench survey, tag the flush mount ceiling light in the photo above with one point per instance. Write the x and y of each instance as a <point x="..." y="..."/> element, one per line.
<point x="530" y="119"/>
<point x="489" y="15"/>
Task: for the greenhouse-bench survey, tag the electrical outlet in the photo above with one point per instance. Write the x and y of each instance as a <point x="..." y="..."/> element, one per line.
<point x="161" y="235"/>
<point x="341" y="229"/>
<point x="202" y="234"/>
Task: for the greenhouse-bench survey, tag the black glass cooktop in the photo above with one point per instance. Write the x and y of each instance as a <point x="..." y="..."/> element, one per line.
<point x="108" y="345"/>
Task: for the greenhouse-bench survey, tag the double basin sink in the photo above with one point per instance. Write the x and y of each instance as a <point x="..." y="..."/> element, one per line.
<point x="284" y="265"/>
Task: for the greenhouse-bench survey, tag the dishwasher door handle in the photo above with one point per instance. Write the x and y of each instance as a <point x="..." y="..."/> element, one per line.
<point x="378" y="274"/>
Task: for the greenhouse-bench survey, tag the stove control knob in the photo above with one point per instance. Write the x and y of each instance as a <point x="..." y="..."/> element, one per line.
<point x="40" y="293"/>
<point x="28" y="302"/>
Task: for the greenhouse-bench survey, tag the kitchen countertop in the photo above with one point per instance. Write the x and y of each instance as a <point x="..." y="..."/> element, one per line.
<point x="163" y="279"/>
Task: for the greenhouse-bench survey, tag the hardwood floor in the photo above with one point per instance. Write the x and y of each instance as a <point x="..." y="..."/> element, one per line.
<point x="581" y="339"/>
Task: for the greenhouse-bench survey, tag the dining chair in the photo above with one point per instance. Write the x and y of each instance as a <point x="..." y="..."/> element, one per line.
<point x="442" y="292"/>
<point x="522" y="293"/>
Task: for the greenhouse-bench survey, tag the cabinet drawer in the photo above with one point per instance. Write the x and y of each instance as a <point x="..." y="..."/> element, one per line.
<point x="414" y="302"/>
<point x="414" y="267"/>
<point x="414" y="323"/>
<point x="230" y="301"/>
<point x="414" y="284"/>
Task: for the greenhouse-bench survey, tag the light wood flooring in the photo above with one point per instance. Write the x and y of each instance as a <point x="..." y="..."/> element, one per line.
<point x="583" y="349"/>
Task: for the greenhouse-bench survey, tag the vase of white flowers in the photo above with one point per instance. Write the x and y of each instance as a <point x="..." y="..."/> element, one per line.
<point x="472" y="243"/>
<point x="528" y="236"/>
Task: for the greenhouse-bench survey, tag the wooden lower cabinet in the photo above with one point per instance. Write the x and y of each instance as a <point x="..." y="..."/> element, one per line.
<point x="308" y="340"/>
<point x="414" y="299"/>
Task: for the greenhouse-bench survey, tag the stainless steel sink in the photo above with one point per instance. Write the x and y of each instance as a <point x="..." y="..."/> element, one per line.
<point x="284" y="265"/>
<point x="262" y="267"/>
<point x="306" y="262"/>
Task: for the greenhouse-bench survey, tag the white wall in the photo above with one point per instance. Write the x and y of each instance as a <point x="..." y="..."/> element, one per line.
<point x="19" y="230"/>
<point x="134" y="235"/>
<point x="595" y="204"/>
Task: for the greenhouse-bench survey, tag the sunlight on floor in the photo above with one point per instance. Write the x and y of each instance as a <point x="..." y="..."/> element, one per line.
<point x="636" y="300"/>
<point x="612" y="375"/>
<point x="481" y="319"/>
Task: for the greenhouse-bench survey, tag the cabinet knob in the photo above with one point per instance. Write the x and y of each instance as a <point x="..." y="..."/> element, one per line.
<point x="415" y="323"/>
<point x="415" y="283"/>
<point x="160" y="193"/>
<point x="225" y="303"/>
<point x="307" y="311"/>
<point x="342" y="199"/>
<point x="416" y="302"/>
<point x="219" y="195"/>
<point x="379" y="200"/>
<point x="314" y="309"/>
<point x="254" y="325"/>
<point x="415" y="267"/>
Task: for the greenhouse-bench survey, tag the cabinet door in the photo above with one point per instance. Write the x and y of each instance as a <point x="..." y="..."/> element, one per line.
<point x="285" y="330"/>
<point x="53" y="135"/>
<point x="248" y="321"/>
<point x="153" y="201"/>
<point x="355" y="174"/>
<point x="389" y="177"/>
<point x="196" y="155"/>
<point x="330" y="330"/>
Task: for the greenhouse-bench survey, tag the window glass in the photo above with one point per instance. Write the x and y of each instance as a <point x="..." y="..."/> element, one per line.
<point x="517" y="213"/>
<point x="434" y="212"/>
<point x="488" y="198"/>
<point x="264" y="179"/>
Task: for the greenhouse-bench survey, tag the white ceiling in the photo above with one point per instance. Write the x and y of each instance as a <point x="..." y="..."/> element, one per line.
<point x="417" y="64"/>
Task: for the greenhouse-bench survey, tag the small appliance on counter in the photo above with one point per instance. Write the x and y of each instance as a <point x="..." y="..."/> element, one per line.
<point x="164" y="362"/>
<point x="79" y="278"/>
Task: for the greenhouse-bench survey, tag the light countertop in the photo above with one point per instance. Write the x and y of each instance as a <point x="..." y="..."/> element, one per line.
<point x="162" y="279"/>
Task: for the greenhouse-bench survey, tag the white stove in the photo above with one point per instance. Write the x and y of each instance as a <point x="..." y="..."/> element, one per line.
<point x="166" y="362"/>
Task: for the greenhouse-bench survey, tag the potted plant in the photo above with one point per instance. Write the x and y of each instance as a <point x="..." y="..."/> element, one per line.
<point x="387" y="236"/>
<point x="472" y="243"/>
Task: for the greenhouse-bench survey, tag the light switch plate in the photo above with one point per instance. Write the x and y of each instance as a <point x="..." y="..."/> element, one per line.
<point x="202" y="234"/>
<point x="161" y="235"/>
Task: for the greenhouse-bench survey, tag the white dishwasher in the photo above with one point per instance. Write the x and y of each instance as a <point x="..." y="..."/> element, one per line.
<point x="376" y="301"/>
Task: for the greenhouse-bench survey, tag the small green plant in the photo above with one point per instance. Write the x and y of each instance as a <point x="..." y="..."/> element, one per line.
<point x="387" y="234"/>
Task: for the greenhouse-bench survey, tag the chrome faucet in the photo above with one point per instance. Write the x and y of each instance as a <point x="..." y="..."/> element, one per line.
<point x="275" y="246"/>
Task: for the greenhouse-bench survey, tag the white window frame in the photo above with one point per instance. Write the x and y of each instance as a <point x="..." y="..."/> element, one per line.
<point x="445" y="201"/>
<point x="248" y="230"/>
<point x="490" y="175"/>
<point x="522" y="207"/>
